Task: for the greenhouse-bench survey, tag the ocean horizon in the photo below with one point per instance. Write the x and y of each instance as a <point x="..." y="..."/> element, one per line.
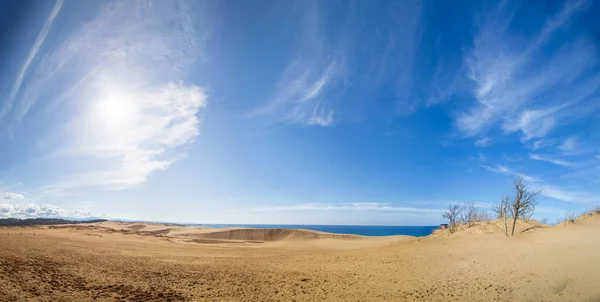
<point x="364" y="230"/>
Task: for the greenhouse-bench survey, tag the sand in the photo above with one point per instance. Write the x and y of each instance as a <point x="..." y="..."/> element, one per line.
<point x="152" y="262"/>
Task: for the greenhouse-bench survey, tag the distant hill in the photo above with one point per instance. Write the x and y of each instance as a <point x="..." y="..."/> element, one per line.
<point x="43" y="221"/>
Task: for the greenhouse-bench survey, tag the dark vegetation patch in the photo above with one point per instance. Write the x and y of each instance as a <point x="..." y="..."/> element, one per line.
<point x="42" y="277"/>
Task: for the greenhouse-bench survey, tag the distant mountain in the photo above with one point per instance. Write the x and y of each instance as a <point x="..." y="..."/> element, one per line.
<point x="43" y="221"/>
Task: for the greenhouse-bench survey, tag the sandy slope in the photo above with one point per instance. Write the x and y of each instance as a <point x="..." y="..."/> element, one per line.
<point x="141" y="262"/>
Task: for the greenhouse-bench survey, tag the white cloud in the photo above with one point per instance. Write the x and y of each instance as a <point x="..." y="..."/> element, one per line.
<point x="504" y="170"/>
<point x="301" y="93"/>
<point x="568" y="195"/>
<point x="497" y="169"/>
<point x="549" y="210"/>
<point x="158" y="121"/>
<point x="23" y="211"/>
<point x="533" y="123"/>
<point x="510" y="78"/>
<point x="543" y="143"/>
<point x="549" y="190"/>
<point x="300" y="99"/>
<point x="375" y="61"/>
<point x="11" y="195"/>
<point x="555" y="161"/>
<point x="483" y="142"/>
<point x="570" y="145"/>
<point x="123" y="71"/>
<point x="359" y="206"/>
<point x="32" y="53"/>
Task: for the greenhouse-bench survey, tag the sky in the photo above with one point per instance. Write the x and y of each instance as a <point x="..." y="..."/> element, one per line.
<point x="296" y="112"/>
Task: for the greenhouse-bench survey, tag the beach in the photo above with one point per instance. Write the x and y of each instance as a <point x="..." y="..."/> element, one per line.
<point x="113" y="261"/>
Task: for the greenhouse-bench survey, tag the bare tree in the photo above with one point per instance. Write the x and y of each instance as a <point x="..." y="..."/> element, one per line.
<point x="452" y="213"/>
<point x="482" y="216"/>
<point x="523" y="203"/>
<point x="501" y="210"/>
<point x="469" y="213"/>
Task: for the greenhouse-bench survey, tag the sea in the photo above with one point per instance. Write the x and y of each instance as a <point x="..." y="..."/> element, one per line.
<point x="364" y="230"/>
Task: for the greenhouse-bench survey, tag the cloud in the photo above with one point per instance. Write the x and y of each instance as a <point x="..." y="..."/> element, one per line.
<point x="118" y="81"/>
<point x="360" y="206"/>
<point x="504" y="170"/>
<point x="11" y="195"/>
<point x="568" y="195"/>
<point x="32" y="53"/>
<point x="24" y="211"/>
<point x="158" y="121"/>
<point x="533" y="123"/>
<point x="549" y="210"/>
<point x="339" y="69"/>
<point x="301" y="94"/>
<point x="555" y="161"/>
<point x="483" y="142"/>
<point x="497" y="169"/>
<point x="542" y="143"/>
<point x="547" y="189"/>
<point x="300" y="98"/>
<point x="570" y="145"/>
<point x="510" y="77"/>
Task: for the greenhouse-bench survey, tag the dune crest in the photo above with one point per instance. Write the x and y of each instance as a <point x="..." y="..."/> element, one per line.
<point x="492" y="227"/>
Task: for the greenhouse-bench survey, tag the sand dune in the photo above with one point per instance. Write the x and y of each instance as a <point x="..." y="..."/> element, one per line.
<point x="239" y="235"/>
<point x="152" y="262"/>
<point x="271" y="235"/>
<point x="494" y="227"/>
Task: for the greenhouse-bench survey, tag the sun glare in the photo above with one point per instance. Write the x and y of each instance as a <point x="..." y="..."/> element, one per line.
<point x="115" y="111"/>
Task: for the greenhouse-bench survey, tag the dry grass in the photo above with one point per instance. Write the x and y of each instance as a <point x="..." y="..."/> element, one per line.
<point x="592" y="211"/>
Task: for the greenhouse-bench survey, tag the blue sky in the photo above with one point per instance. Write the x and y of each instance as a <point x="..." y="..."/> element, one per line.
<point x="306" y="112"/>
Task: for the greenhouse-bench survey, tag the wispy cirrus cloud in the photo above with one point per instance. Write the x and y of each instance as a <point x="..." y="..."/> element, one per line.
<point x="571" y="145"/>
<point x="510" y="77"/>
<point x="31" y="55"/>
<point x="556" y="161"/>
<point x="359" y="206"/>
<point x="301" y="94"/>
<point x="340" y="66"/>
<point x="542" y="144"/>
<point x="484" y="142"/>
<point x="118" y="78"/>
<point x="533" y="123"/>
<point x="572" y="196"/>
<point x="300" y="98"/>
<point x="504" y="170"/>
<point x="548" y="190"/>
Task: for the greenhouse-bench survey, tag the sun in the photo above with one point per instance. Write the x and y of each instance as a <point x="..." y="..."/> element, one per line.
<point x="115" y="111"/>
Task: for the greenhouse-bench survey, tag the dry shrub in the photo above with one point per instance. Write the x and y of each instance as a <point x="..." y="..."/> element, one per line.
<point x="595" y="210"/>
<point x="569" y="219"/>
